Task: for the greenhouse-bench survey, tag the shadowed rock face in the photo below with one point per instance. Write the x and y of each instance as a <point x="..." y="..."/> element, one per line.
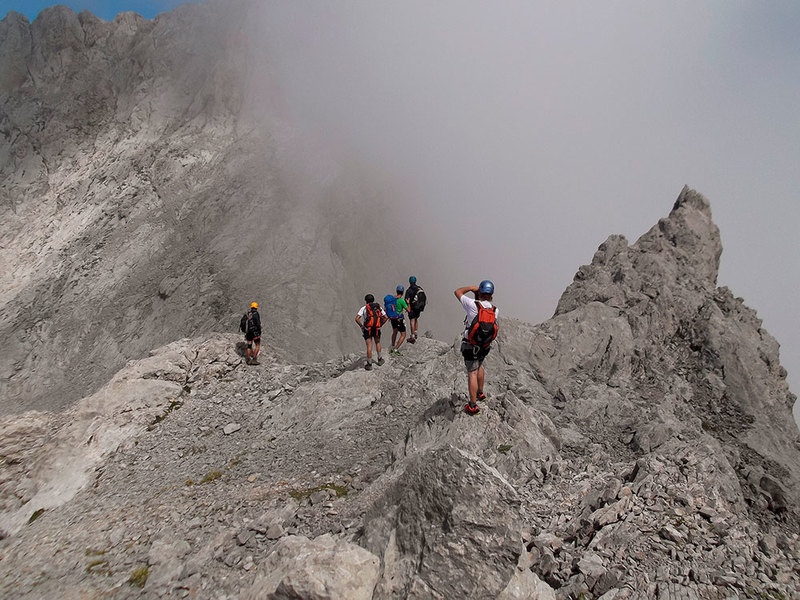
<point x="149" y="193"/>
<point x="638" y="444"/>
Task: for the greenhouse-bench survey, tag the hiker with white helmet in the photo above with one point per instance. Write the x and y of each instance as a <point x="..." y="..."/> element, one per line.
<point x="479" y="333"/>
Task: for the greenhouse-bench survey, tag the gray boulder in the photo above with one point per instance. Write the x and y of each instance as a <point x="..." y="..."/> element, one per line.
<point x="447" y="513"/>
<point x="324" y="568"/>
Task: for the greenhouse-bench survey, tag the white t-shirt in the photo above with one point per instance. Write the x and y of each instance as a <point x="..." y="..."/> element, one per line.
<point x="472" y="311"/>
<point x="363" y="313"/>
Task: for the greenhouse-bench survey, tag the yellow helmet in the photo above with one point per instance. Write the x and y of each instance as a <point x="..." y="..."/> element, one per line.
<point x="254" y="305"/>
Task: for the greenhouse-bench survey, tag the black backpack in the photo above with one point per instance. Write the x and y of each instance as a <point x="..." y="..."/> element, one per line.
<point x="419" y="300"/>
<point x="247" y="325"/>
<point x="372" y="315"/>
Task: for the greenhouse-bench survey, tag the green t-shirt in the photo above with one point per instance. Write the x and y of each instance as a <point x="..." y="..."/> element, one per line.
<point x="401" y="306"/>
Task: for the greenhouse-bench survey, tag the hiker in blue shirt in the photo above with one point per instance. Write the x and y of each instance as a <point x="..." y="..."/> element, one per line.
<point x="395" y="305"/>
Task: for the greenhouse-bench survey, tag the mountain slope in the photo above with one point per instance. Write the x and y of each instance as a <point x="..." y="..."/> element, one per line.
<point x="617" y="457"/>
<point x="150" y="191"/>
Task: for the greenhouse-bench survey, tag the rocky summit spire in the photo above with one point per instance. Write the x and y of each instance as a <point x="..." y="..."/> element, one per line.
<point x="691" y="236"/>
<point x="681" y="252"/>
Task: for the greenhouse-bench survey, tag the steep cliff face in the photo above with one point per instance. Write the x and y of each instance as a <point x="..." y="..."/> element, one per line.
<point x="143" y="198"/>
<point x="639" y="444"/>
<point x="677" y="335"/>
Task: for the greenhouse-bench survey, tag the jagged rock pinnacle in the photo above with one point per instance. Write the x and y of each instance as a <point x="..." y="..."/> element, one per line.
<point x="694" y="237"/>
<point x="678" y="256"/>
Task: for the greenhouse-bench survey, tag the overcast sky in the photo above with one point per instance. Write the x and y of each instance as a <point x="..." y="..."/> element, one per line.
<point x="520" y="135"/>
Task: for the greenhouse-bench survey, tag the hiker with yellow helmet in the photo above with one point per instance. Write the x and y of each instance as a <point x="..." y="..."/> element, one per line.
<point x="251" y="327"/>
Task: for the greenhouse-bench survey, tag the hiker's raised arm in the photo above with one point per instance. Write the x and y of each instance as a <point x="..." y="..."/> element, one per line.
<point x="358" y="321"/>
<point x="463" y="290"/>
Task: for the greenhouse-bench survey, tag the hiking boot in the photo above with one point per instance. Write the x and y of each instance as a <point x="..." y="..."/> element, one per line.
<point x="481" y="397"/>
<point x="255" y="362"/>
<point x="412" y="340"/>
<point x="398" y="353"/>
<point x="472" y="409"/>
<point x="380" y="361"/>
<point x="368" y="366"/>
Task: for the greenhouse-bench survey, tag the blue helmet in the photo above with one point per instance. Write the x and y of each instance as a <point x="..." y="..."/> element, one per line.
<point x="486" y="287"/>
<point x="400" y="289"/>
<point x="412" y="280"/>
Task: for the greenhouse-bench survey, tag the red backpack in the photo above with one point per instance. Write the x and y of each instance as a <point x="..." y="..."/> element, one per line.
<point x="483" y="328"/>
<point x="372" y="315"/>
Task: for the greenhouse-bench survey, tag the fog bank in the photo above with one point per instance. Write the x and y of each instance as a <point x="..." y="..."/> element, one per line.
<point x="514" y="138"/>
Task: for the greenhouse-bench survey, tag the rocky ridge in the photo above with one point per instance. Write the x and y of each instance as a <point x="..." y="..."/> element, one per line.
<point x="639" y="444"/>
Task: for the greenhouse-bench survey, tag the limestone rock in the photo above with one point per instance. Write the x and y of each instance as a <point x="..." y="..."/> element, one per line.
<point x="231" y="428"/>
<point x="640" y="442"/>
<point x="444" y="511"/>
<point x="134" y="150"/>
<point x="320" y="569"/>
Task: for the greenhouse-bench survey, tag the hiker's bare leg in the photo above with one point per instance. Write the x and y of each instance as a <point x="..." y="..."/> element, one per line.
<point x="255" y="353"/>
<point x="472" y="384"/>
<point x="402" y="339"/>
<point x="480" y="378"/>
<point x="378" y="346"/>
<point x="413" y="328"/>
<point x="368" y="341"/>
<point x="394" y="337"/>
<point x="247" y="351"/>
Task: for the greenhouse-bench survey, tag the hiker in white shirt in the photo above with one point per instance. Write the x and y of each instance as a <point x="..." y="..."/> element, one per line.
<point x="371" y="318"/>
<point x="480" y="329"/>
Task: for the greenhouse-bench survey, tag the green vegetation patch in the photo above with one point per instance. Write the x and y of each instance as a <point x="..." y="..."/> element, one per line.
<point x="139" y="577"/>
<point x="339" y="490"/>
<point x="504" y="448"/>
<point x="36" y="514"/>
<point x="99" y="567"/>
<point x="766" y="595"/>
<point x="174" y="404"/>
<point x="211" y="476"/>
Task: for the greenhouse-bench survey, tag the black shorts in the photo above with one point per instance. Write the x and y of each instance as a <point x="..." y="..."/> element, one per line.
<point x="371" y="332"/>
<point x="473" y="355"/>
<point x="398" y="324"/>
<point x="253" y="337"/>
<point x="413" y="314"/>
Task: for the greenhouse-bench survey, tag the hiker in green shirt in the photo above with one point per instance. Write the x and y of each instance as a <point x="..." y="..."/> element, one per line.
<point x="395" y="305"/>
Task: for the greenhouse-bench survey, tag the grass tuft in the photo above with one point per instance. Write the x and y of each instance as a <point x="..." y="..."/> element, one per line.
<point x="36" y="514"/>
<point x="211" y="476"/>
<point x="139" y="577"/>
<point x="339" y="490"/>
